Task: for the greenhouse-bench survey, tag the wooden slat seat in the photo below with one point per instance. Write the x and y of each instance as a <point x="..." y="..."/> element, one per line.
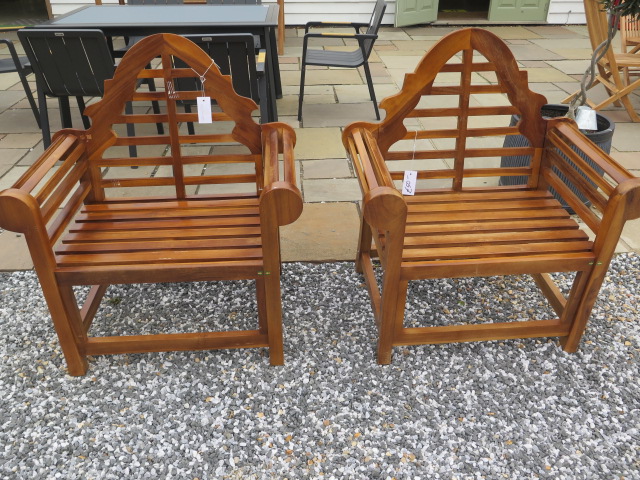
<point x="468" y="232"/>
<point x="454" y="229"/>
<point x="200" y="208"/>
<point x="110" y="238"/>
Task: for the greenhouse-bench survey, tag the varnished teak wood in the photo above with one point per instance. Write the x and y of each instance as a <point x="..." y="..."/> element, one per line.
<point x="467" y="231"/>
<point x="79" y="234"/>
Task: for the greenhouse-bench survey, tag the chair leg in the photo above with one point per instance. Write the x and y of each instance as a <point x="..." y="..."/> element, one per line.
<point x="154" y="104"/>
<point x="372" y="92"/>
<point x="190" y="129"/>
<point x="81" y="106"/>
<point x="266" y="113"/>
<point x="131" y="130"/>
<point x="44" y="118"/>
<point x="32" y="102"/>
<point x="262" y="305"/>
<point x="301" y="96"/>
<point x="394" y="297"/>
<point x="630" y="108"/>
<point x="273" y="311"/>
<point x="65" y="112"/>
<point x="68" y="325"/>
<point x="364" y="243"/>
<point x="580" y="302"/>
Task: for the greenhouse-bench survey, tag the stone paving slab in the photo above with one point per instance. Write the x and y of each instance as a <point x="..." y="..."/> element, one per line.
<point x="509" y="32"/>
<point x="338" y="115"/>
<point x="359" y="94"/>
<point x="337" y="189"/>
<point x="333" y="76"/>
<point x="533" y="52"/>
<point x="14" y="254"/>
<point x="570" y="67"/>
<point x="326" y="168"/>
<point x="549" y="74"/>
<point x="324" y="232"/>
<point x="317" y="143"/>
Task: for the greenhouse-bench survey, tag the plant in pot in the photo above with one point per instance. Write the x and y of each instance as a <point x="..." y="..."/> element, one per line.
<point x="597" y="127"/>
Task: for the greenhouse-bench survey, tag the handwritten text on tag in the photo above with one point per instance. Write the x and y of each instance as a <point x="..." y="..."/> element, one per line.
<point x="409" y="182"/>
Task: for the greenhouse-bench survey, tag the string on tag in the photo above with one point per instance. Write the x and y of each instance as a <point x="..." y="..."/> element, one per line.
<point x="202" y="77"/>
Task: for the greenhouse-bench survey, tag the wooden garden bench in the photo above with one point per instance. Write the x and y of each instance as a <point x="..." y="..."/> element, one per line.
<point x="449" y="124"/>
<point x="195" y="207"/>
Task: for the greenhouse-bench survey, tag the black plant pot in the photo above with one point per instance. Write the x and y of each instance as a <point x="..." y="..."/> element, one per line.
<point x="602" y="138"/>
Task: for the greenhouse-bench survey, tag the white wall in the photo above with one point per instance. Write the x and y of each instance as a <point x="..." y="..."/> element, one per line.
<point x="298" y="12"/>
<point x="566" y="12"/>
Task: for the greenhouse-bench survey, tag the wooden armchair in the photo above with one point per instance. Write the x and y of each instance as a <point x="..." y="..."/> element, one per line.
<point x="613" y="69"/>
<point x="197" y="207"/>
<point x="449" y="124"/>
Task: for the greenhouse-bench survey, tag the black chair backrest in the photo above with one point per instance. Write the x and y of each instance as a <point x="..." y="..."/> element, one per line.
<point x="234" y="55"/>
<point x="68" y="62"/>
<point x="234" y="2"/>
<point x="374" y="25"/>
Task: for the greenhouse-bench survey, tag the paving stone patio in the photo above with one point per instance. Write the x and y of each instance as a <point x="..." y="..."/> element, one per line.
<point x="554" y="56"/>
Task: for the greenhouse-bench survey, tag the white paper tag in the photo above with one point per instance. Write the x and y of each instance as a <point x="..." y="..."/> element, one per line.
<point x="409" y="182"/>
<point x="204" y="109"/>
<point x="586" y="118"/>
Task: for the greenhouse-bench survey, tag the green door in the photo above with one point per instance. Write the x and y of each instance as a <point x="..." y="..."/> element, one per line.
<point x="518" y="10"/>
<point x="413" y="12"/>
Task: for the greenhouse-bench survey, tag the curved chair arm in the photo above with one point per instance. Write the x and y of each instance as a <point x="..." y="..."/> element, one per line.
<point x="384" y="207"/>
<point x="280" y="195"/>
<point x="40" y="203"/>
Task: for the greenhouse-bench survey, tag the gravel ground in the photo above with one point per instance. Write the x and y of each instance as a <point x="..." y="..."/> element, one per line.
<point x="514" y="409"/>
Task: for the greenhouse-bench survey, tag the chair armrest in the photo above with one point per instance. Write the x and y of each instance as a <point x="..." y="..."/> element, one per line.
<point x="360" y="37"/>
<point x="13" y="53"/>
<point x="611" y="189"/>
<point x="49" y="192"/>
<point x="280" y="196"/>
<point x="356" y="36"/>
<point x="356" y="25"/>
<point x="383" y="206"/>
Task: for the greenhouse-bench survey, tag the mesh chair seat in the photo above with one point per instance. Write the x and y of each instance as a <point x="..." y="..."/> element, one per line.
<point x="337" y="59"/>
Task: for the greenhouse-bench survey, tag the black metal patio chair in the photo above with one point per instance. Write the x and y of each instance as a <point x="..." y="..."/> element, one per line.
<point x="234" y="56"/>
<point x="352" y="59"/>
<point x="70" y="63"/>
<point x="21" y="66"/>
<point x="67" y="63"/>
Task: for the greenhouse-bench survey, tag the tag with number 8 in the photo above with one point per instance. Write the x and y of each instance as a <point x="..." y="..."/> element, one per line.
<point x="409" y="182"/>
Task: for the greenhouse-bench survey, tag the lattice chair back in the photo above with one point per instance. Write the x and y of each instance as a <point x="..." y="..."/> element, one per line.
<point x="455" y="112"/>
<point x="223" y="156"/>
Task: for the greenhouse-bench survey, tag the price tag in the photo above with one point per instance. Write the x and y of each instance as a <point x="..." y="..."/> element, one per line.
<point x="409" y="182"/>
<point x="586" y="118"/>
<point x="204" y="109"/>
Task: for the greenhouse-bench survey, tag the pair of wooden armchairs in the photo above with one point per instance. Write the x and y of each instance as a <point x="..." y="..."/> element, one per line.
<point x="456" y="224"/>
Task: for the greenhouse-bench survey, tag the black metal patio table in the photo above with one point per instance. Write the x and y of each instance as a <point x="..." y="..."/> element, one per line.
<point x="136" y="20"/>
